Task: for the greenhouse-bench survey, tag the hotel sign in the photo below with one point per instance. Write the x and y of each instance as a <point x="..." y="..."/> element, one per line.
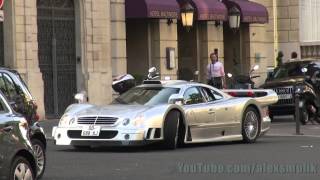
<point x="163" y="14"/>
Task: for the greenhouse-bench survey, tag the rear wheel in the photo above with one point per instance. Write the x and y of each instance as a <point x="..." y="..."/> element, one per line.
<point x="21" y="169"/>
<point x="170" y="130"/>
<point x="40" y="153"/>
<point x="250" y="125"/>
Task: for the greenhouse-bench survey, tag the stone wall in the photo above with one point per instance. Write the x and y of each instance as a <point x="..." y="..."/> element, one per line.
<point x="96" y="48"/>
<point x="21" y="45"/>
<point x="118" y="37"/>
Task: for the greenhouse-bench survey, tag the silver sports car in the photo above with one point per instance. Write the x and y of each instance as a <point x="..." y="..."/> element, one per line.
<point x="170" y="112"/>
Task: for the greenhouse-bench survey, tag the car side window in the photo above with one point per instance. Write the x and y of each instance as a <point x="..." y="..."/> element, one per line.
<point x="3" y="87"/>
<point x="193" y="96"/>
<point x="216" y="95"/>
<point x="3" y="107"/>
<point x="208" y="94"/>
<point x="11" y="87"/>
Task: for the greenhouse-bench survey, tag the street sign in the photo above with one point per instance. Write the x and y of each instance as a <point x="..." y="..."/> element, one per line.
<point x="1" y="16"/>
<point x="1" y="3"/>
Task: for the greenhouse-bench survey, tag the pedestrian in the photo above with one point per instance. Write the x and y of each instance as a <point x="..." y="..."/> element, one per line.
<point x="294" y="56"/>
<point x="215" y="72"/>
<point x="279" y="58"/>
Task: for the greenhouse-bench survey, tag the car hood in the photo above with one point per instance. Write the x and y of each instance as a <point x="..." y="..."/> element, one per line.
<point x="113" y="110"/>
<point x="282" y="82"/>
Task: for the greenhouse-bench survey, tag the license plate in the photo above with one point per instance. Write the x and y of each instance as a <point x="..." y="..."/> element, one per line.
<point x="285" y="96"/>
<point x="91" y="131"/>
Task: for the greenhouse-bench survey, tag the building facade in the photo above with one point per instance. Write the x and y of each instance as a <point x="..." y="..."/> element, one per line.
<point x="62" y="47"/>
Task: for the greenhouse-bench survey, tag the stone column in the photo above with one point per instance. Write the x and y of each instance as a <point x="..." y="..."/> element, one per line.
<point x="163" y="36"/>
<point x="96" y="50"/>
<point x="211" y="37"/>
<point x="21" y="45"/>
<point x="118" y="37"/>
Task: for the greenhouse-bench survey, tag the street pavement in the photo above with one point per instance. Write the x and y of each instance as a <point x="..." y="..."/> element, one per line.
<point x="280" y="148"/>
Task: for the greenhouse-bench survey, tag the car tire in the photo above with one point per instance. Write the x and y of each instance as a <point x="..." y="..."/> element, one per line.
<point x="250" y="125"/>
<point x="170" y="130"/>
<point x="304" y="115"/>
<point x="16" y="169"/>
<point x="40" y="153"/>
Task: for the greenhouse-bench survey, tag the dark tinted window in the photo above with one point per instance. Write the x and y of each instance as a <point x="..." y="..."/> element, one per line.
<point x="3" y="107"/>
<point x="147" y="95"/>
<point x="11" y="90"/>
<point x="193" y="96"/>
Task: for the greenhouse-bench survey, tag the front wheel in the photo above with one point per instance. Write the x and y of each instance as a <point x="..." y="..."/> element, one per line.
<point x="170" y="130"/>
<point x="250" y="125"/>
<point x="21" y="169"/>
<point x="40" y="153"/>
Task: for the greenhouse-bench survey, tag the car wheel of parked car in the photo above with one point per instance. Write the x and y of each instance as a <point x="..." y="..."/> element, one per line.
<point x="40" y="153"/>
<point x="21" y="169"/>
<point x="304" y="115"/>
<point x="250" y="125"/>
<point x="170" y="130"/>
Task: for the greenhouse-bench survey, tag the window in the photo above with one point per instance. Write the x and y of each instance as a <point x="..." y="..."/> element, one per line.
<point x="208" y="94"/>
<point x="10" y="87"/>
<point x="193" y="96"/>
<point x="216" y="95"/>
<point x="309" y="20"/>
<point x="3" y="107"/>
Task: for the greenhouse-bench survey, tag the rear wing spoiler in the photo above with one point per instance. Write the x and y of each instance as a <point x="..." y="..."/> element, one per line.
<point x="264" y="96"/>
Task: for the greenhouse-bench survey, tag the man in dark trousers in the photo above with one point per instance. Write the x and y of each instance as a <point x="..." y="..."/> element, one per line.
<point x="215" y="72"/>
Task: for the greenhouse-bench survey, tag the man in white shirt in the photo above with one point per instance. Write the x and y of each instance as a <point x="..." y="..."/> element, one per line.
<point x="215" y="72"/>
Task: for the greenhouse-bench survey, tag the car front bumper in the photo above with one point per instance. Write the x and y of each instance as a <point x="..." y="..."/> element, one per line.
<point x="108" y="137"/>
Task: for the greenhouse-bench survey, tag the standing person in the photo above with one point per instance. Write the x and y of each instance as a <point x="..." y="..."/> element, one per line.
<point x="279" y="58"/>
<point x="215" y="72"/>
<point x="294" y="56"/>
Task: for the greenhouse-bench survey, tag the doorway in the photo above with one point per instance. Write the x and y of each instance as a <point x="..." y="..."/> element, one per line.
<point x="57" y="54"/>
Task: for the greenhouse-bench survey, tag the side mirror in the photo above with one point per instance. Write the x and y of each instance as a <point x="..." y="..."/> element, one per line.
<point x="176" y="99"/>
<point x="80" y="97"/>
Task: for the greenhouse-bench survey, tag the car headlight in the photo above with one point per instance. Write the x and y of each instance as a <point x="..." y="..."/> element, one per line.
<point x="299" y="89"/>
<point x="66" y="120"/>
<point x="138" y="121"/>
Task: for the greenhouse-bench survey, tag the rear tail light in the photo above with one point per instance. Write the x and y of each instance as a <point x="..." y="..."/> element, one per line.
<point x="232" y="94"/>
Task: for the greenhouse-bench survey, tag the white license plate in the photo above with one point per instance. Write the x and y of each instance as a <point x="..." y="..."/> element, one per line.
<point x="285" y="96"/>
<point x="91" y="131"/>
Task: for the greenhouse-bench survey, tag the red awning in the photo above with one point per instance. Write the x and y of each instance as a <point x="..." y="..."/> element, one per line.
<point x="152" y="9"/>
<point x="251" y="12"/>
<point x="210" y="10"/>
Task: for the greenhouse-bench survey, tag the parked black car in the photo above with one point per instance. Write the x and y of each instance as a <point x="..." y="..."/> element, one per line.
<point x="289" y="79"/>
<point x="17" y="157"/>
<point x="19" y="97"/>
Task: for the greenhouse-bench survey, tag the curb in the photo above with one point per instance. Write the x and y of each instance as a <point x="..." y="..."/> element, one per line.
<point x="292" y="135"/>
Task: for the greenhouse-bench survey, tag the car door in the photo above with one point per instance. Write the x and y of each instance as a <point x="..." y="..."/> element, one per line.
<point x="5" y="133"/>
<point x="199" y="114"/>
<point x="226" y="113"/>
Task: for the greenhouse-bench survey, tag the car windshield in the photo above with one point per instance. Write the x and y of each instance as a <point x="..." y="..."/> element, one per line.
<point x="289" y="70"/>
<point x="146" y="96"/>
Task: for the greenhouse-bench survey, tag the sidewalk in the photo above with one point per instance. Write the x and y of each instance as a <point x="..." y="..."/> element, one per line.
<point x="282" y="127"/>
